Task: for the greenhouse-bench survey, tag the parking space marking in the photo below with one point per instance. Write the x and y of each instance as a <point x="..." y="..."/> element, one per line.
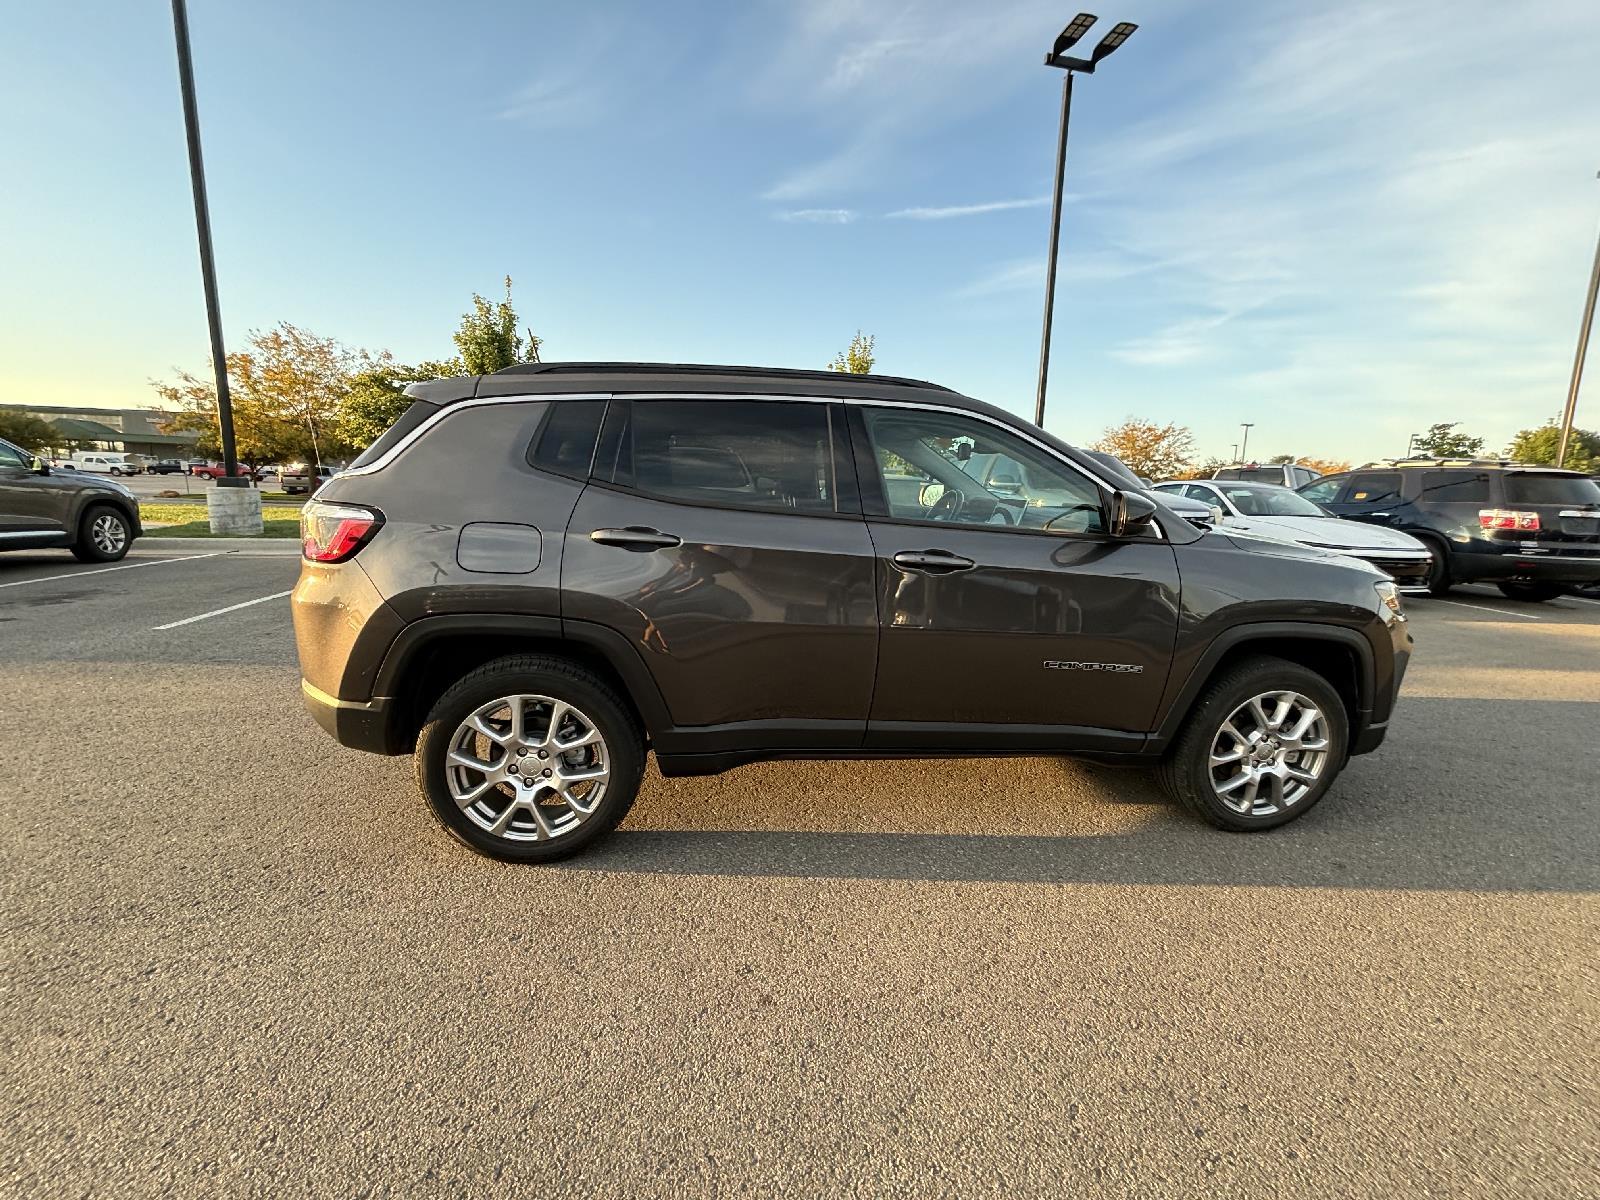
<point x="102" y="570"/>
<point x="1499" y="612"/>
<point x="1581" y="599"/>
<point x="217" y="612"/>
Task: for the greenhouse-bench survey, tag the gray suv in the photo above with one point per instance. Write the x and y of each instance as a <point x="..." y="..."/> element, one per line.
<point x="536" y="577"/>
<point x="94" y="517"/>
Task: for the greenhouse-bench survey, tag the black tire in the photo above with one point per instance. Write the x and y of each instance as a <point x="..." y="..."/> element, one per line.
<point x="86" y="549"/>
<point x="1439" y="580"/>
<point x="1532" y="593"/>
<point x="541" y="675"/>
<point x="1185" y="774"/>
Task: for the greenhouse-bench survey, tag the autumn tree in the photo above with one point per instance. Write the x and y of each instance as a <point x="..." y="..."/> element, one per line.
<point x="27" y="431"/>
<point x="1325" y="466"/>
<point x="1154" y="451"/>
<point x="488" y="340"/>
<point x="1441" y="441"/>
<point x="287" y="389"/>
<point x="858" y="358"/>
<point x="1540" y="445"/>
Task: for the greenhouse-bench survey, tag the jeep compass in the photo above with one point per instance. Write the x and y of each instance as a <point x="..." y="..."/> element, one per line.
<point x="537" y="577"/>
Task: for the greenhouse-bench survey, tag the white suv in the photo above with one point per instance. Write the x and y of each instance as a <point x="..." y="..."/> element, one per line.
<point x="102" y="463"/>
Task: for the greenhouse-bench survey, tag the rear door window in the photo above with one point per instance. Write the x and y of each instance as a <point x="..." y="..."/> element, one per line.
<point x="1455" y="487"/>
<point x="1374" y="488"/>
<point x="768" y="455"/>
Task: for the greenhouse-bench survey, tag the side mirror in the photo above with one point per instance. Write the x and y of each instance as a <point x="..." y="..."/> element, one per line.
<point x="929" y="495"/>
<point x="1131" y="514"/>
<point x="38" y="466"/>
<point x="1217" y="514"/>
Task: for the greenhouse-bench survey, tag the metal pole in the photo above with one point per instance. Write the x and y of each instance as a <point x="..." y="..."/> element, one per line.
<point x="1577" y="362"/>
<point x="1055" y="244"/>
<point x="208" y="270"/>
<point x="1244" y="445"/>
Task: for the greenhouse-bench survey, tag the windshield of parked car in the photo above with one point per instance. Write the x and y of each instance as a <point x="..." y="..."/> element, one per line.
<point x="1536" y="487"/>
<point x="1268" y="500"/>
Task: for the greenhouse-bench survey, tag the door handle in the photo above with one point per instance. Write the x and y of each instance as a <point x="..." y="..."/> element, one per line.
<point x="1379" y="516"/>
<point x="636" y="537"/>
<point x="934" y="562"/>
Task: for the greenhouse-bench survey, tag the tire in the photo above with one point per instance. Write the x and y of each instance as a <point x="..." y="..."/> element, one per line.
<point x="1532" y="593"/>
<point x="104" y="535"/>
<point x="116" y="470"/>
<point x="1439" y="581"/>
<point x="528" y="837"/>
<point x="1186" y="775"/>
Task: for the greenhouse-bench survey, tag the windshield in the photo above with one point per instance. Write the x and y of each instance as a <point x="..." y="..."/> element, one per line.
<point x="1538" y="488"/>
<point x="1268" y="500"/>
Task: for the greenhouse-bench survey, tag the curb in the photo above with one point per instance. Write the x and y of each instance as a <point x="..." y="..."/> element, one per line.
<point x="249" y="547"/>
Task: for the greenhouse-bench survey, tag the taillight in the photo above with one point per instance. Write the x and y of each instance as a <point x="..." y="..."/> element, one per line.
<point x="1508" y="518"/>
<point x="331" y="533"/>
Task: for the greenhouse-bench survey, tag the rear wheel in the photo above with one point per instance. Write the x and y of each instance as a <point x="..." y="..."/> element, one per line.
<point x="104" y="535"/>
<point x="530" y="759"/>
<point x="1262" y="747"/>
<point x="1533" y="593"/>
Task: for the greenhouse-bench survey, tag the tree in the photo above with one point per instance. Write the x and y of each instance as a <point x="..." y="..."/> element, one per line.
<point x="1155" y="451"/>
<point x="1325" y="466"/>
<point x="376" y="397"/>
<point x="287" y="388"/>
<point x="1441" y="442"/>
<point x="488" y="339"/>
<point x="1540" y="445"/>
<point x="1201" y="470"/>
<point x="858" y="358"/>
<point x="28" y="431"/>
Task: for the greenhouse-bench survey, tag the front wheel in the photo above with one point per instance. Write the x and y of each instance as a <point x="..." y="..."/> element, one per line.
<point x="104" y="535"/>
<point x="530" y="759"/>
<point x="1263" y="745"/>
<point x="1535" y="594"/>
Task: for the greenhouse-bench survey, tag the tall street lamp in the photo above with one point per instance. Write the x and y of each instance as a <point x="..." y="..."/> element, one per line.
<point x="208" y="270"/>
<point x="1068" y="38"/>
<point x="1244" y="442"/>
<point x="1577" y="362"/>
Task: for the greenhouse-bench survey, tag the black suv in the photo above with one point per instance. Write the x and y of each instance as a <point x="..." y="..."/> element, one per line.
<point x="537" y="575"/>
<point x="1534" y="531"/>
<point x="94" y="517"/>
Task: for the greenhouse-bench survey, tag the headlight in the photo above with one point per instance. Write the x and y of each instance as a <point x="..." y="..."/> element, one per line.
<point x="1389" y="597"/>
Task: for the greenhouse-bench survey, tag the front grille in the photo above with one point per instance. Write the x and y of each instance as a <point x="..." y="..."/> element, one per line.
<point x="1404" y="571"/>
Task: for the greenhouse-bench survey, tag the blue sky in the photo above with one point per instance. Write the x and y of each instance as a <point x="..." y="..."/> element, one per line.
<point x="1339" y="221"/>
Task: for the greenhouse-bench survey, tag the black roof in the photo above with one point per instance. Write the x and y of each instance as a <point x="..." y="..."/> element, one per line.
<point x="622" y="378"/>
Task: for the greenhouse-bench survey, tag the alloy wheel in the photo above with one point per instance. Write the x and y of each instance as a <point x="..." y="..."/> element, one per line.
<point x="1269" y="753"/>
<point x="527" y="768"/>
<point x="108" y="533"/>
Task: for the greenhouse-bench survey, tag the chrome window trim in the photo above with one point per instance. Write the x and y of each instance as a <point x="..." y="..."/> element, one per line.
<point x="404" y="443"/>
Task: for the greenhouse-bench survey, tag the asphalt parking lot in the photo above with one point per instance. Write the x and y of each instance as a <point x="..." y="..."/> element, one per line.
<point x="240" y="959"/>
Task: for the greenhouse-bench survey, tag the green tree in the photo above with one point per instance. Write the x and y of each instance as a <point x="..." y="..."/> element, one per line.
<point x="28" y="431"/>
<point x="376" y="397"/>
<point x="488" y="338"/>
<point x="858" y="358"/>
<point x="1540" y="445"/>
<point x="1441" y="441"/>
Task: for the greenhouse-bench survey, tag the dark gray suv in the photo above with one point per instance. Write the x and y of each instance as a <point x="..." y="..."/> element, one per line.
<point x="94" y="517"/>
<point x="537" y="576"/>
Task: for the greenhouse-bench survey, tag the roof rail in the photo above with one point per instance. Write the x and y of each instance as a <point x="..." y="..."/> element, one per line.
<point x="637" y="368"/>
<point x="1419" y="460"/>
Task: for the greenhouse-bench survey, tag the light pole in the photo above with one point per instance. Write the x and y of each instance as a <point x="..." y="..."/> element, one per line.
<point x="1244" y="442"/>
<point x="1577" y="362"/>
<point x="1069" y="37"/>
<point x="208" y="270"/>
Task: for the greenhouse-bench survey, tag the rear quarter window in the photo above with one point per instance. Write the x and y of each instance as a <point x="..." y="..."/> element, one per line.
<point x="1539" y="488"/>
<point x="419" y="412"/>
<point x="566" y="440"/>
<point x="1460" y="487"/>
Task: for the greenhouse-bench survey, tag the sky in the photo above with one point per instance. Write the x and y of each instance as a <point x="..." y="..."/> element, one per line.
<point x="1341" y="222"/>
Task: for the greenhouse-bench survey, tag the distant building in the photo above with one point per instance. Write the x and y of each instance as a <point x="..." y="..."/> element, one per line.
<point x="129" y="430"/>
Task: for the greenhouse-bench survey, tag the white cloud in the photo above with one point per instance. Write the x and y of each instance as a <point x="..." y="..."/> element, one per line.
<point x="966" y="210"/>
<point x="1020" y="275"/>
<point x="819" y="216"/>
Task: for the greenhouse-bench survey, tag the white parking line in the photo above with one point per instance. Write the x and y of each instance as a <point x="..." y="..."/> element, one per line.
<point x="217" y="612"/>
<point x="124" y="567"/>
<point x="1499" y="612"/>
<point x="1581" y="599"/>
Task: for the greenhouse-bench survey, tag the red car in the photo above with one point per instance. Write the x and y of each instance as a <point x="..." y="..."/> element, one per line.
<point x="217" y="471"/>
